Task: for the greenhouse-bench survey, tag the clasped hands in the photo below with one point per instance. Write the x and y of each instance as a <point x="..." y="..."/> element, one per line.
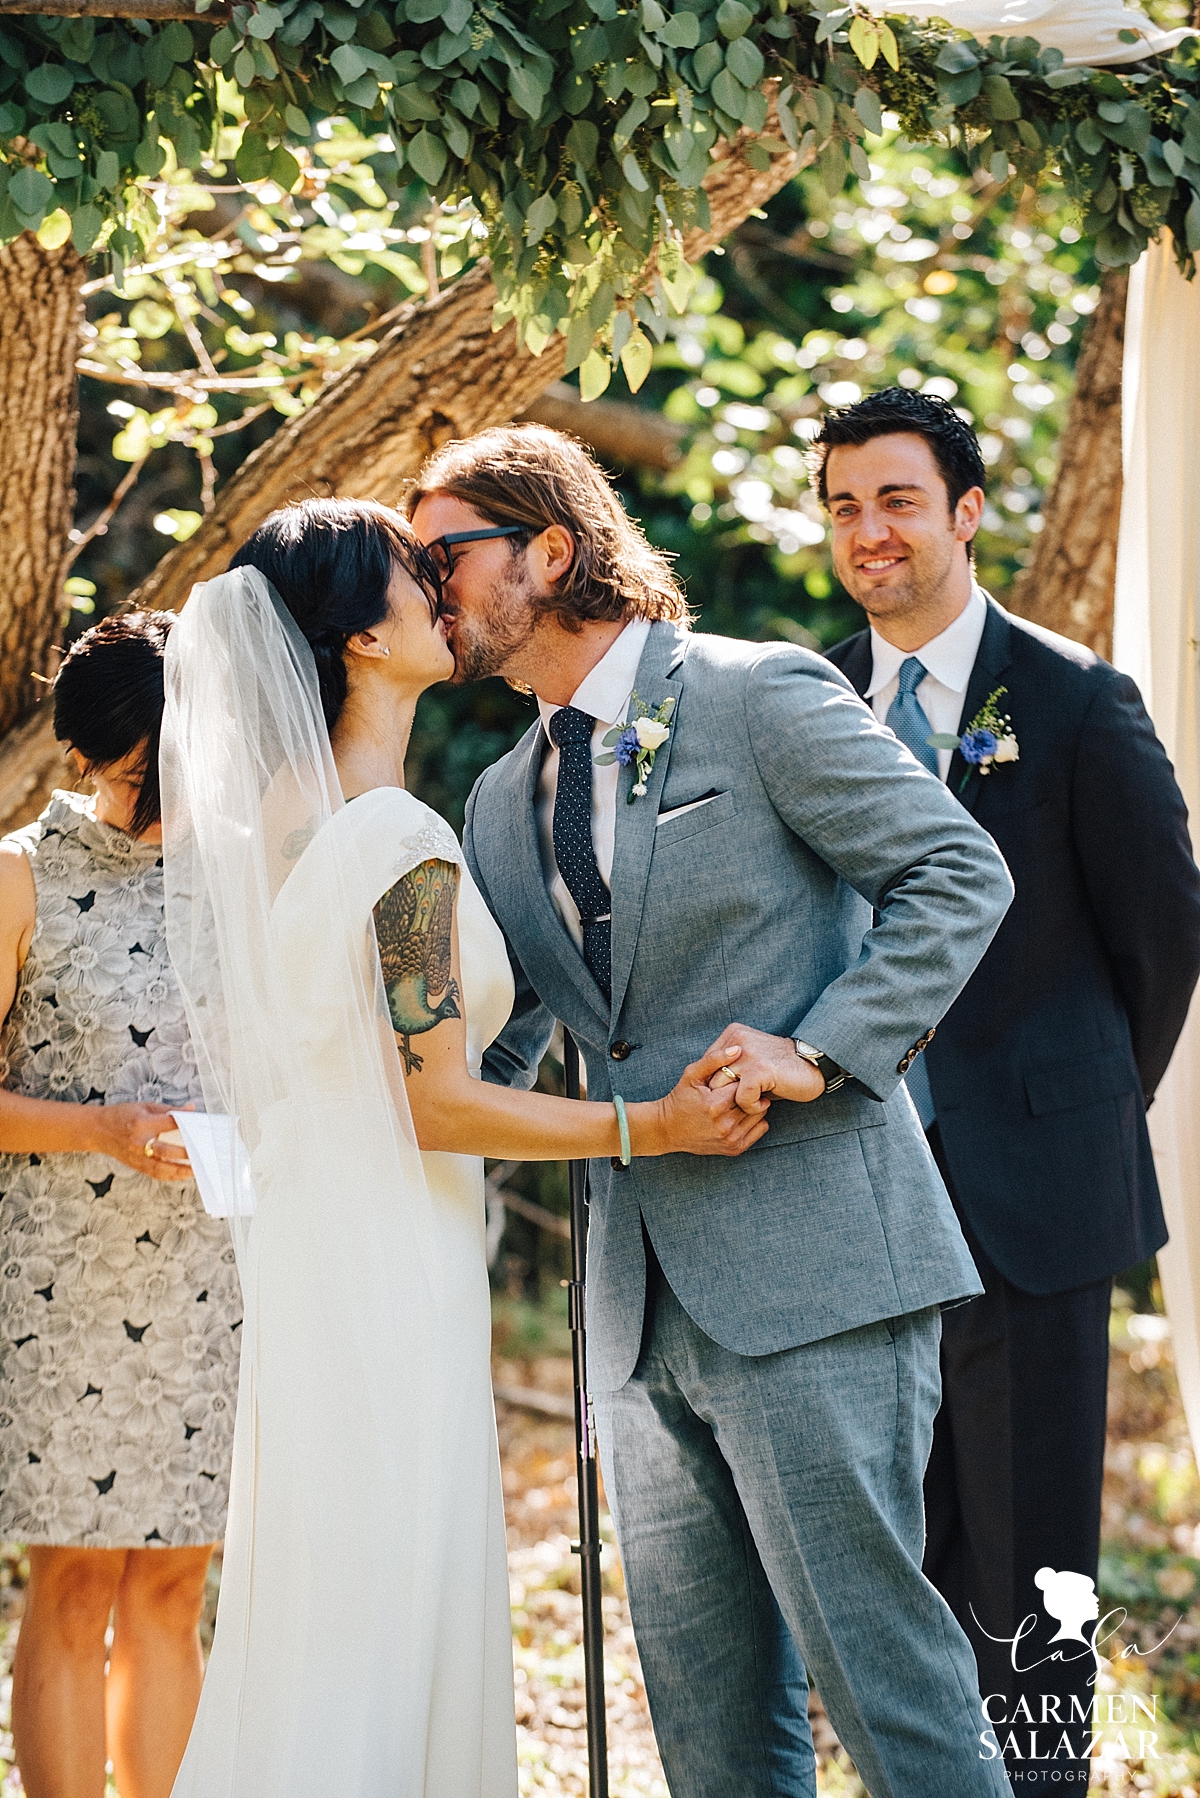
<point x="722" y="1100"/>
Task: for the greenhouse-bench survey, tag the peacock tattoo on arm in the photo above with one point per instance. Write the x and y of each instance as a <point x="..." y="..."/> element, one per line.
<point x="414" y="923"/>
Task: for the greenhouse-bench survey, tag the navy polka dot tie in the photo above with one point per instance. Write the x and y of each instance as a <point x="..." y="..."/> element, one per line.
<point x="574" y="851"/>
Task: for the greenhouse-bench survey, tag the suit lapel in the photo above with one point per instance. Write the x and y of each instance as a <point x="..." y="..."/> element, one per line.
<point x="856" y="662"/>
<point x="533" y="907"/>
<point x="633" y="844"/>
<point x="991" y="661"/>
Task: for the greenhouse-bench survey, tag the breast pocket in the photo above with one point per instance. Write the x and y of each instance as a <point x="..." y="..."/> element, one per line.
<point x="690" y="823"/>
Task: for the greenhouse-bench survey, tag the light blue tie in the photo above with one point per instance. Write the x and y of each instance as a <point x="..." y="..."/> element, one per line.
<point x="906" y="717"/>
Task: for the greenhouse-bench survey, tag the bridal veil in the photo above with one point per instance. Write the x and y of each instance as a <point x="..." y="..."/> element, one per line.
<point x="322" y="1670"/>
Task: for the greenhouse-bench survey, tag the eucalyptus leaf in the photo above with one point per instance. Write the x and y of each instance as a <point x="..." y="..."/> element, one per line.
<point x="540" y="217"/>
<point x="50" y="83"/>
<point x="745" y="60"/>
<point x="682" y="32"/>
<point x="31" y="191"/>
<point x="636" y="359"/>
<point x="955" y="58"/>
<point x="349" y="62"/>
<point x="264" y="21"/>
<point x="595" y="373"/>
<point x="86" y="225"/>
<point x="583" y="141"/>
<point x="708" y="59"/>
<point x="1000" y="97"/>
<point x="733" y="19"/>
<point x="427" y="156"/>
<point x="636" y="114"/>
<point x="580" y="338"/>
<point x="730" y="95"/>
<point x="866" y="105"/>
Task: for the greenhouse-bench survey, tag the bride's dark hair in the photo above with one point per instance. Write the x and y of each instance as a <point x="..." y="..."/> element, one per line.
<point x="330" y="561"/>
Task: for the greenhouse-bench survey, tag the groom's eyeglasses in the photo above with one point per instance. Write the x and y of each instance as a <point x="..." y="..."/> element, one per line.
<point x="442" y="548"/>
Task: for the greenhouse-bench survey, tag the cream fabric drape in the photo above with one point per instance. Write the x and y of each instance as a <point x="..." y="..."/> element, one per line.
<point x="1155" y="640"/>
<point x="1086" y="31"/>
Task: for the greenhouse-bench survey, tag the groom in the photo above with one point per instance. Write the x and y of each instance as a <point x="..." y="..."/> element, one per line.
<point x="763" y="1332"/>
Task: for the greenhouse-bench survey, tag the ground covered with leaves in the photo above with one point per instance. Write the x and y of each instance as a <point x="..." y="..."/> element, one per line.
<point x="1149" y="1588"/>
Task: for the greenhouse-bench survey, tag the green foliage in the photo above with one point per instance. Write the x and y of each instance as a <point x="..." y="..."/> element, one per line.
<point x="579" y="130"/>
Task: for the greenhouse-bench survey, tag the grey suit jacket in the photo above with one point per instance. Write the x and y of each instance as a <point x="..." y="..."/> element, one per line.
<point x="756" y="908"/>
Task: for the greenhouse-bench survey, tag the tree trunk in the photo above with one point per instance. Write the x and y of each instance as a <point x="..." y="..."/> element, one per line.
<point x="40" y="314"/>
<point x="1069" y="585"/>
<point x="441" y="372"/>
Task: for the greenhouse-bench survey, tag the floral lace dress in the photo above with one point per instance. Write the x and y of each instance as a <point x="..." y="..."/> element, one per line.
<point x="119" y="1299"/>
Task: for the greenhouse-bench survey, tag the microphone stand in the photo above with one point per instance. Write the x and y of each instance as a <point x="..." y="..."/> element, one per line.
<point x="588" y="1546"/>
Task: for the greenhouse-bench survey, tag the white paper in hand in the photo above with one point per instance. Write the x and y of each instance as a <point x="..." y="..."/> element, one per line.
<point x="220" y="1162"/>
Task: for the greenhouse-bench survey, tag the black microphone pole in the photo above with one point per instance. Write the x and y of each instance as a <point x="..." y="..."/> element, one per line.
<point x="588" y="1546"/>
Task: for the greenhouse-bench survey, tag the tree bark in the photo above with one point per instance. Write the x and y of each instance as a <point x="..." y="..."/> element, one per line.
<point x="40" y="315"/>
<point x="1069" y="585"/>
<point x="440" y="372"/>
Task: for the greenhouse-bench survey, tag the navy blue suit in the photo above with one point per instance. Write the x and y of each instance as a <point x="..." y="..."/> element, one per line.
<point x="1040" y="1073"/>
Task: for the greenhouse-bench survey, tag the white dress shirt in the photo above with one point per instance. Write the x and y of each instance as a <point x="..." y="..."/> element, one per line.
<point x="604" y="695"/>
<point x="948" y="660"/>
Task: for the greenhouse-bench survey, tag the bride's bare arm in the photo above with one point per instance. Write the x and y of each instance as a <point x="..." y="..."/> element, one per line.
<point x="418" y="946"/>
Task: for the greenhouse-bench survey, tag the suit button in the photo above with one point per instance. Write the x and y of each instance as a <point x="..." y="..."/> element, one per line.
<point x="620" y="1050"/>
<point x="903" y="1065"/>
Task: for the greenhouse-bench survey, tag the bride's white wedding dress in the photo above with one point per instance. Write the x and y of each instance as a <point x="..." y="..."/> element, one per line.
<point x="362" y="1643"/>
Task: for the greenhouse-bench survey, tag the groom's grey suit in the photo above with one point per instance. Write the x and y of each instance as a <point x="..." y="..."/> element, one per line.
<point x="766" y="1400"/>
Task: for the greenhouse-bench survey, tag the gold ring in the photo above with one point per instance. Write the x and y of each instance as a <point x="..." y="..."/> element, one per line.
<point x="150" y="1146"/>
<point x="731" y="1079"/>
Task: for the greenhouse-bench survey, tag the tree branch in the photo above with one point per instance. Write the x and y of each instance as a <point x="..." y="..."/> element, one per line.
<point x="99" y="524"/>
<point x="114" y="9"/>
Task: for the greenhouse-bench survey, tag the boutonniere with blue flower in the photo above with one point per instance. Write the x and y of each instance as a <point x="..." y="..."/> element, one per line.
<point x="638" y="741"/>
<point x="988" y="740"/>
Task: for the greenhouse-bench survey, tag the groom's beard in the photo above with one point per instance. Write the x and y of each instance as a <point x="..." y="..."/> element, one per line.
<point x="485" y="642"/>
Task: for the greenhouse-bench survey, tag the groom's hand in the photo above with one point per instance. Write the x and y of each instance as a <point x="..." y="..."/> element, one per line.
<point x="766" y="1066"/>
<point x="698" y="1119"/>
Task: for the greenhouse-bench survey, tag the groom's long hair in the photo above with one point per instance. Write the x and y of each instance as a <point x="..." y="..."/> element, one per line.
<point x="531" y="476"/>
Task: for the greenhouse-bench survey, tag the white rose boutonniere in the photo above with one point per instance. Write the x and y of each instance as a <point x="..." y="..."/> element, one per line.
<point x="638" y="741"/>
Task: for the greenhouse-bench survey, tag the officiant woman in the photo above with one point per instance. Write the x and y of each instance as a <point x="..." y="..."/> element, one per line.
<point x="119" y="1302"/>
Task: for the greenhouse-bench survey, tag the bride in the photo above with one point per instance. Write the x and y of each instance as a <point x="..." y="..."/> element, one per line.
<point x="342" y="978"/>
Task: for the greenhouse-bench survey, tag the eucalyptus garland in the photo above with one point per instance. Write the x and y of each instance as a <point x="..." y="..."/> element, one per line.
<point x="581" y="130"/>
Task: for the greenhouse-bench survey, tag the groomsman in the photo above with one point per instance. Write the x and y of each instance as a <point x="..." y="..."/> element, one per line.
<point x="1034" y="1091"/>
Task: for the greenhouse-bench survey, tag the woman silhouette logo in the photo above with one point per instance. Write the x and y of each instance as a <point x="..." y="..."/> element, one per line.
<point x="1070" y="1598"/>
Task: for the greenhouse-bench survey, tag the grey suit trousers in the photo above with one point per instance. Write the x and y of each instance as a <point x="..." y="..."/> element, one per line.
<point x="769" y="1515"/>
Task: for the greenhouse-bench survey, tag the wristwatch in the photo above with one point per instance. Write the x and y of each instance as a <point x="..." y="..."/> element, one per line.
<point x="834" y="1075"/>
